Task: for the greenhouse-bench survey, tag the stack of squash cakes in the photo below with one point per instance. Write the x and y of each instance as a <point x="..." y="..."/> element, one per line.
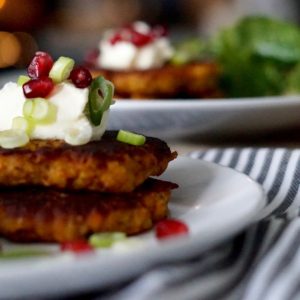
<point x="55" y="192"/>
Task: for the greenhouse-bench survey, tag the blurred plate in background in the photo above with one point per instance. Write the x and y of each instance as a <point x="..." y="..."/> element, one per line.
<point x="206" y="117"/>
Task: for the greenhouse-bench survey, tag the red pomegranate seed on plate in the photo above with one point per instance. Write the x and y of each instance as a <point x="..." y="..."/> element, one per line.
<point x="40" y="65"/>
<point x="78" y="246"/>
<point x="81" y="77"/>
<point x="41" y="87"/>
<point x="170" y="228"/>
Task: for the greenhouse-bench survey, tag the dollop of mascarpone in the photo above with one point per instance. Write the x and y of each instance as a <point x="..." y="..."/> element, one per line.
<point x="125" y="55"/>
<point x="71" y="124"/>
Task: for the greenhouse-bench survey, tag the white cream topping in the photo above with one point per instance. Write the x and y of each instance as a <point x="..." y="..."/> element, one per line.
<point x="11" y="104"/>
<point x="125" y="55"/>
<point x="71" y="123"/>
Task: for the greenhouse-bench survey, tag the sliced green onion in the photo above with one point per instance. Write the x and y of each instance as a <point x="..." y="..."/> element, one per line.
<point x="187" y="51"/>
<point x="100" y="98"/>
<point x="106" y="239"/>
<point x="131" y="138"/>
<point x="76" y="137"/>
<point x="13" y="138"/>
<point x="40" y="110"/>
<point x="61" y="69"/>
<point x="22" y="79"/>
<point x="24" y="124"/>
<point x="52" y="114"/>
<point x="180" y="58"/>
<point x="14" y="254"/>
<point x="27" y="108"/>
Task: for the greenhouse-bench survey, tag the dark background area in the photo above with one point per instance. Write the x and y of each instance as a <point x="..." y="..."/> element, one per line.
<point x="71" y="27"/>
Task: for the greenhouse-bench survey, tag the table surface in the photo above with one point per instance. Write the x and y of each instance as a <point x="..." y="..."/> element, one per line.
<point x="277" y="139"/>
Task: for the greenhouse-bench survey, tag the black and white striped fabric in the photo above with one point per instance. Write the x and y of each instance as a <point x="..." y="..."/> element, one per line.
<point x="261" y="263"/>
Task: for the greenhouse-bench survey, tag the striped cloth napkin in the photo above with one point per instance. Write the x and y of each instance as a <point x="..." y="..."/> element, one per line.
<point x="261" y="263"/>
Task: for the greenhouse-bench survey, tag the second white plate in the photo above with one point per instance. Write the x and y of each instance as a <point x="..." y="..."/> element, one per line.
<point x="184" y="118"/>
<point x="178" y="118"/>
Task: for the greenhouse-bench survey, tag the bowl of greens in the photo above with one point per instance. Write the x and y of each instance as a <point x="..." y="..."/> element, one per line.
<point x="258" y="56"/>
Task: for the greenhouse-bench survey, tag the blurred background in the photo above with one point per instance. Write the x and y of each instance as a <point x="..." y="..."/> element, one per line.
<point x="71" y="27"/>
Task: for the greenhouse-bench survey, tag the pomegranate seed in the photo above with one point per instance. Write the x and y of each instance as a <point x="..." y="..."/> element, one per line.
<point x="140" y="39"/>
<point x="81" y="77"/>
<point x="124" y="34"/>
<point x="169" y="228"/>
<point x="79" y="246"/>
<point x="128" y="34"/>
<point x="38" y="87"/>
<point x="116" y="38"/>
<point x="159" y="31"/>
<point x="40" y="65"/>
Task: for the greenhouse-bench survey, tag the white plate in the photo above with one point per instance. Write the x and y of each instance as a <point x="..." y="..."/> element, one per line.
<point x="185" y="118"/>
<point x="214" y="201"/>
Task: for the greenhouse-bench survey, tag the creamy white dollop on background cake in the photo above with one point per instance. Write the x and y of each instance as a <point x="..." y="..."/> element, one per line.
<point x="124" y="55"/>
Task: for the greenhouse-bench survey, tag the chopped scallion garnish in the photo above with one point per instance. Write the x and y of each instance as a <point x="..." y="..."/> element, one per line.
<point x="13" y="138"/>
<point x="40" y="110"/>
<point x="106" y="239"/>
<point x="27" y="108"/>
<point x="131" y="138"/>
<point x="24" y="124"/>
<point x="22" y="79"/>
<point x="100" y="98"/>
<point x="24" y="253"/>
<point x="61" y="69"/>
<point x="75" y="136"/>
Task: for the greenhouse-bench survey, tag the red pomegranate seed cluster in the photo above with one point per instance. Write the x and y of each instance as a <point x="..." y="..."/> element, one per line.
<point x="41" y="85"/>
<point x="131" y="35"/>
<point x="163" y="230"/>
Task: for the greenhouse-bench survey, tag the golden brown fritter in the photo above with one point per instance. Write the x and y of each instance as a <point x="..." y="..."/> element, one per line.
<point x="47" y="215"/>
<point x="106" y="165"/>
<point x="196" y="80"/>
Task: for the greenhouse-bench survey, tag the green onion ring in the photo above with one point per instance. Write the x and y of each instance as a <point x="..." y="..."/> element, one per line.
<point x="99" y="103"/>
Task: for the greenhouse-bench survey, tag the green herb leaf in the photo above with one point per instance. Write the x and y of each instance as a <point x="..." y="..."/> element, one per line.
<point x="292" y="85"/>
<point x="188" y="51"/>
<point x="255" y="55"/>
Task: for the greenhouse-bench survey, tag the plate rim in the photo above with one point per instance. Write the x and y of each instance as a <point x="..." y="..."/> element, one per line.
<point x="200" y="103"/>
<point x="144" y="259"/>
